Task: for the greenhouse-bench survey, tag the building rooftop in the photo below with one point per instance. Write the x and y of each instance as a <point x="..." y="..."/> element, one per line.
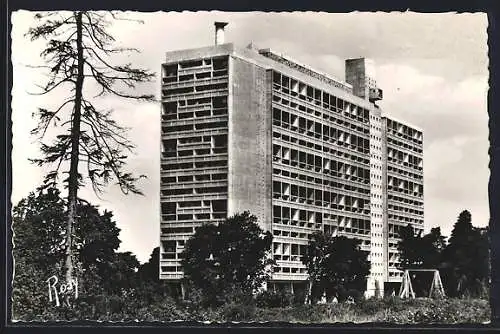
<point x="395" y="119"/>
<point x="281" y="58"/>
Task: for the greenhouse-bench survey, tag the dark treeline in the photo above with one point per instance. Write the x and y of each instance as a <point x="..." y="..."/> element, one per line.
<point x="226" y="266"/>
<point x="109" y="282"/>
<point x="463" y="260"/>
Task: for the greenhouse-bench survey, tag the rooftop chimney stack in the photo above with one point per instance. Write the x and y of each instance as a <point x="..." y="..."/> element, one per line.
<point x="360" y="73"/>
<point x="219" y="32"/>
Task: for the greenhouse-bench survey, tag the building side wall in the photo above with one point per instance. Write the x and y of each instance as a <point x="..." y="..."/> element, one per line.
<point x="321" y="171"/>
<point x="194" y="157"/>
<point x="384" y="198"/>
<point x="249" y="179"/>
<point x="404" y="186"/>
<point x="375" y="284"/>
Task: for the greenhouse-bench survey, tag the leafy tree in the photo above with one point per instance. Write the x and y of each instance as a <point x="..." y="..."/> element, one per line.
<point x="416" y="251"/>
<point x="29" y="292"/>
<point x="335" y="265"/>
<point x="150" y="271"/>
<point x="421" y="252"/>
<point x="38" y="236"/>
<point x="39" y="223"/>
<point x="466" y="258"/>
<point x="431" y="248"/>
<point x="149" y="288"/>
<point x="409" y="247"/>
<point x="78" y="57"/>
<point x="229" y="258"/>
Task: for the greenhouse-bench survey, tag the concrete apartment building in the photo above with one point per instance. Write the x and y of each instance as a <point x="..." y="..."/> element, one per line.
<point x="246" y="129"/>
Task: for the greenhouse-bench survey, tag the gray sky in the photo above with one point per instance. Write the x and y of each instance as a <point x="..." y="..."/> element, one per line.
<point x="433" y="69"/>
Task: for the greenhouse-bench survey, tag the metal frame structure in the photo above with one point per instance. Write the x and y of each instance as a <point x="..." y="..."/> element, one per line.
<point x="406" y="289"/>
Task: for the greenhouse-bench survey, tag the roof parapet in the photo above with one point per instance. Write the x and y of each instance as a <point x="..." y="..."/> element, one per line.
<point x="305" y="69"/>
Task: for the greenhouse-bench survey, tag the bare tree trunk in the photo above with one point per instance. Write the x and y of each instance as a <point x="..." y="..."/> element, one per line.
<point x="309" y="292"/>
<point x="75" y="140"/>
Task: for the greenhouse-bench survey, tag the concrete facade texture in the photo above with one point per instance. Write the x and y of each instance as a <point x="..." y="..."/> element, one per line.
<point x="250" y="150"/>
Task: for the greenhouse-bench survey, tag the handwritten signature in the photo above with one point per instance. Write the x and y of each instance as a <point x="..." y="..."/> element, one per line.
<point x="54" y="291"/>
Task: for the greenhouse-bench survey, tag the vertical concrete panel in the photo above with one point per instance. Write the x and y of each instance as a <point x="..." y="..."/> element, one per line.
<point x="378" y="265"/>
<point x="385" y="222"/>
<point x="355" y="76"/>
<point x="249" y="179"/>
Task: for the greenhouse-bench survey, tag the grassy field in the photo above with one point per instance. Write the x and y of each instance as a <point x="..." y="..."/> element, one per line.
<point x="391" y="311"/>
<point x="394" y="310"/>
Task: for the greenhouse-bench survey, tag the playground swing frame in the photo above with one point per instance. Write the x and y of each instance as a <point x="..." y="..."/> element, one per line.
<point x="406" y="289"/>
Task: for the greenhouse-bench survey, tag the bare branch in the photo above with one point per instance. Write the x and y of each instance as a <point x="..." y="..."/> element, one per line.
<point x="115" y="16"/>
<point x="46" y="118"/>
<point x="45" y="90"/>
<point x="101" y="140"/>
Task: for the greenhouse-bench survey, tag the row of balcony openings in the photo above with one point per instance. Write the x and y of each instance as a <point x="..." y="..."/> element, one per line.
<point x="339" y="183"/>
<point x="302" y="90"/>
<point x="339" y="119"/>
<point x="344" y="152"/>
<point x="195" y="165"/>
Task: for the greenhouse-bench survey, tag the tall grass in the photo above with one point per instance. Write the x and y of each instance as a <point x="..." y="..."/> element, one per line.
<point x="393" y="310"/>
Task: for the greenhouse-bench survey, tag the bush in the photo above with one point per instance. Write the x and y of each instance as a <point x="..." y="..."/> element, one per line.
<point x="394" y="303"/>
<point x="440" y="311"/>
<point x="345" y="294"/>
<point x="274" y="299"/>
<point x="165" y="310"/>
<point x="371" y="306"/>
<point x="239" y="312"/>
<point x="308" y="313"/>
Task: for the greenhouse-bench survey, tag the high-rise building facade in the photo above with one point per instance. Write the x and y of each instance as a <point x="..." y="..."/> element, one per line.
<point x="245" y="129"/>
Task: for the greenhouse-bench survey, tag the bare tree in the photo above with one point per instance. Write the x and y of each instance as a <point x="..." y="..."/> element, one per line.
<point x="77" y="56"/>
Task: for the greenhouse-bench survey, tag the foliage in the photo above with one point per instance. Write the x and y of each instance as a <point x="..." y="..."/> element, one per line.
<point x="446" y="311"/>
<point x="150" y="271"/>
<point x="432" y="247"/>
<point x="38" y="237"/>
<point x="466" y="258"/>
<point x="228" y="258"/>
<point x="335" y="265"/>
<point x="114" y="287"/>
<point x="409" y="248"/>
<point x="418" y="251"/>
<point x="238" y="312"/>
<point x="29" y="294"/>
<point x="38" y="222"/>
<point x="421" y="252"/>
<point x="279" y="298"/>
<point x="389" y="310"/>
<point x="463" y="262"/>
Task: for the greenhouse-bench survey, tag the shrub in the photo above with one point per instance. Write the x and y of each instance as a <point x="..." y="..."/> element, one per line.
<point x="393" y="303"/>
<point x="345" y="294"/>
<point x="442" y="311"/>
<point x="274" y="299"/>
<point x="239" y="312"/>
<point x="308" y="313"/>
<point x="165" y="310"/>
<point x="371" y="306"/>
